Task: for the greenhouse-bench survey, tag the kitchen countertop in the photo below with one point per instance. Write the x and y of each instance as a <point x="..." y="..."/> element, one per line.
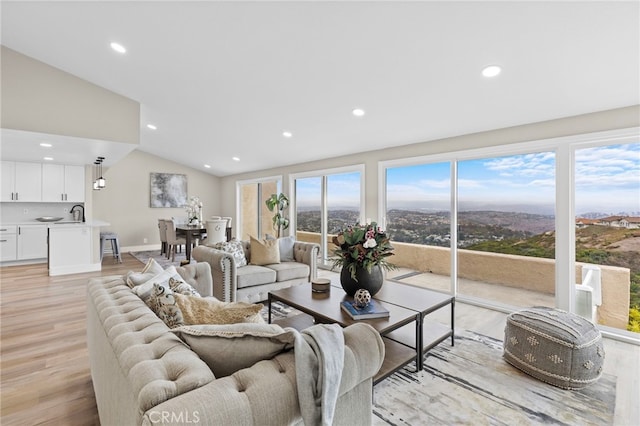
<point x="95" y="223"/>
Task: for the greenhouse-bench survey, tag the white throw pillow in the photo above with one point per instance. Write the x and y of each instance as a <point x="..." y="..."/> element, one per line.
<point x="234" y="248"/>
<point x="286" y="249"/>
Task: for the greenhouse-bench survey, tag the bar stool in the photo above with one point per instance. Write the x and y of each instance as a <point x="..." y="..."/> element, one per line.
<point x="115" y="244"/>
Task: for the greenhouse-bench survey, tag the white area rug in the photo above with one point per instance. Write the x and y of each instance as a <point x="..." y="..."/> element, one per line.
<point x="470" y="384"/>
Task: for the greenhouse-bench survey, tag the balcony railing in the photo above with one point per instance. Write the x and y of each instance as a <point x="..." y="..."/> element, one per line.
<point x="528" y="274"/>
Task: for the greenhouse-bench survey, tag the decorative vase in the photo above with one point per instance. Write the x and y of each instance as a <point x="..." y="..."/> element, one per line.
<point x="370" y="281"/>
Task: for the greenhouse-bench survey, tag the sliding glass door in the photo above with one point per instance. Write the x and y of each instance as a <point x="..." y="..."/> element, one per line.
<point x="326" y="202"/>
<point x="506" y="229"/>
<point x="255" y="219"/>
<point x="607" y="234"/>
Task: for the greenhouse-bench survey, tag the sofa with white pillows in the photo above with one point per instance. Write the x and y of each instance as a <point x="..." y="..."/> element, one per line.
<point x="247" y="271"/>
<point x="162" y="352"/>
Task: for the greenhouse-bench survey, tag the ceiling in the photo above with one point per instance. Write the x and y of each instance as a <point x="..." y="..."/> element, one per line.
<point x="226" y="79"/>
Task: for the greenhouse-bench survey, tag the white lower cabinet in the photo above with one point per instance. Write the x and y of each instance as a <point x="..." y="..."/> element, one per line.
<point x="23" y="242"/>
<point x="8" y="248"/>
<point x="32" y="242"/>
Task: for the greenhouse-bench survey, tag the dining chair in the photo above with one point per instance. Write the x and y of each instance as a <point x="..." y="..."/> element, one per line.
<point x="162" y="228"/>
<point x="216" y="231"/>
<point x="173" y="241"/>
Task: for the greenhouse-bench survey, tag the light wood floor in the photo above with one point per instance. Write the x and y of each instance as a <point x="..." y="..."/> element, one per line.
<point x="44" y="366"/>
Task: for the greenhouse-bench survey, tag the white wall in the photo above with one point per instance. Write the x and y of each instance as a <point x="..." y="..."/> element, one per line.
<point x="125" y="202"/>
<point x="40" y="98"/>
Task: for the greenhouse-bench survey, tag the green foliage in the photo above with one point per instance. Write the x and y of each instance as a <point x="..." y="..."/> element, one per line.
<point x="278" y="203"/>
<point x="634" y="320"/>
<point x="362" y="246"/>
<point x="595" y="256"/>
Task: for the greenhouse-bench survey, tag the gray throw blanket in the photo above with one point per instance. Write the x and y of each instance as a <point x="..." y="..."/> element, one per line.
<point x="319" y="352"/>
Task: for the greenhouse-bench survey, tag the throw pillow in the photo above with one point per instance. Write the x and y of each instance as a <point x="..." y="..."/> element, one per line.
<point x="264" y="252"/>
<point x="209" y="310"/>
<point x="234" y="248"/>
<point x="163" y="303"/>
<point x="229" y="348"/>
<point x="181" y="287"/>
<point x="285" y="245"/>
<point x="169" y="278"/>
<point x="151" y="269"/>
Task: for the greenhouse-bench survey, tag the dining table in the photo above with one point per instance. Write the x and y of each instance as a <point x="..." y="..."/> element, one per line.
<point x="190" y="232"/>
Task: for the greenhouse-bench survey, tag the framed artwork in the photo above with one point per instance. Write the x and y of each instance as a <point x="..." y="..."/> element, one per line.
<point x="168" y="190"/>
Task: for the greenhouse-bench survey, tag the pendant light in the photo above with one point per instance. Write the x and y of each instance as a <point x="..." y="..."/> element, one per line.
<point x="101" y="181"/>
<point x="95" y="175"/>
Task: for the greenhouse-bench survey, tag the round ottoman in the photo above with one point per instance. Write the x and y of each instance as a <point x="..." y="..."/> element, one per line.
<point x="557" y="347"/>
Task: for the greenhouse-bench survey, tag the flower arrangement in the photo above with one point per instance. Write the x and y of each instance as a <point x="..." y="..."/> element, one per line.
<point x="362" y="246"/>
<point x="194" y="211"/>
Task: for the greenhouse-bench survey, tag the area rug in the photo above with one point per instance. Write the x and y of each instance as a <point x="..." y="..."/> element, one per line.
<point x="144" y="256"/>
<point x="470" y="384"/>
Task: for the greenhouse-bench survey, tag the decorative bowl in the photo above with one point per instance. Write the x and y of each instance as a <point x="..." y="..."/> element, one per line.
<point x="48" y="219"/>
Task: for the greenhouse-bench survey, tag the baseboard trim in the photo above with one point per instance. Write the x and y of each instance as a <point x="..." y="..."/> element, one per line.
<point x="147" y="247"/>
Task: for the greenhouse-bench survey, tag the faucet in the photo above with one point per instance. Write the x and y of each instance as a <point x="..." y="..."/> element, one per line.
<point x="82" y="207"/>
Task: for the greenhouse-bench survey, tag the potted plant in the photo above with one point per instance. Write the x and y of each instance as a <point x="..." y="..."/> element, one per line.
<point x="362" y="251"/>
<point x="278" y="203"/>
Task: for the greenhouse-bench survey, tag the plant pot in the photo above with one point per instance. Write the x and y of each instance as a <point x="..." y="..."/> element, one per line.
<point x="370" y="281"/>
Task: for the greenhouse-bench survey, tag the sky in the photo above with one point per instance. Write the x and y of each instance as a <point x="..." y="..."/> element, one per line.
<point x="607" y="180"/>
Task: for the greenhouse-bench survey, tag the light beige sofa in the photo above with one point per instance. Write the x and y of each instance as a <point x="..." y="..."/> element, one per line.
<point x="252" y="283"/>
<point x="144" y="374"/>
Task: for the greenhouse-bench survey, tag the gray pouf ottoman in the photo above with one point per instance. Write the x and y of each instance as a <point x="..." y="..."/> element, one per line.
<point x="557" y="347"/>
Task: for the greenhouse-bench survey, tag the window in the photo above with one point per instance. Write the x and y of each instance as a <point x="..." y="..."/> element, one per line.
<point x="255" y="217"/>
<point x="325" y="202"/>
<point x="506" y="223"/>
<point x="528" y="222"/>
<point x="418" y="215"/>
<point x="607" y="234"/>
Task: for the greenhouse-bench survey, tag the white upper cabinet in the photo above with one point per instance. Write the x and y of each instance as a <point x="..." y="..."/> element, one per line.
<point x="21" y="181"/>
<point x="62" y="183"/>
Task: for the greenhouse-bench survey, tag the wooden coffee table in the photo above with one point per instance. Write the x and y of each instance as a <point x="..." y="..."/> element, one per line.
<point x="406" y="334"/>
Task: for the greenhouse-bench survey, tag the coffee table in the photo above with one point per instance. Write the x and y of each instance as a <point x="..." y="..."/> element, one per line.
<point x="406" y="334"/>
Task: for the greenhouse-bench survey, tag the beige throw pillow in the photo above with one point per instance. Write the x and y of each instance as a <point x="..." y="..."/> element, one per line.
<point x="264" y="252"/>
<point x="209" y="310"/>
<point x="229" y="348"/>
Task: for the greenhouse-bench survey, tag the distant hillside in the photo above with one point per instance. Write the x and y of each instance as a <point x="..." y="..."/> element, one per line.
<point x="601" y="245"/>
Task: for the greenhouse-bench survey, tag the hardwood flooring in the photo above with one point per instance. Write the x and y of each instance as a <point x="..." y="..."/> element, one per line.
<point x="44" y="366"/>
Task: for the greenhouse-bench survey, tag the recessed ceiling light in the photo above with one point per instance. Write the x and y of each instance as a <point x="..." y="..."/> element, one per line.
<point x="48" y="158"/>
<point x="287" y="134"/>
<point x="358" y="112"/>
<point x="491" y="71"/>
<point x="206" y="166"/>
<point x="235" y="159"/>
<point x="118" y="47"/>
<point x="45" y="144"/>
<point x="152" y="126"/>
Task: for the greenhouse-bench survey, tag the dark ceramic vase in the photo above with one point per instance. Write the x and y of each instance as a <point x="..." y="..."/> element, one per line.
<point x="370" y="281"/>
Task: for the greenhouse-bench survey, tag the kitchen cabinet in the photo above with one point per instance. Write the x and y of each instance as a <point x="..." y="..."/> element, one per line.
<point x="8" y="237"/>
<point x="21" y="182"/>
<point x="32" y="242"/>
<point x="62" y="183"/>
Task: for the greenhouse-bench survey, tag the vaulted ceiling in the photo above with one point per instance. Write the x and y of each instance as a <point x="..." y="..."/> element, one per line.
<point x="226" y="79"/>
